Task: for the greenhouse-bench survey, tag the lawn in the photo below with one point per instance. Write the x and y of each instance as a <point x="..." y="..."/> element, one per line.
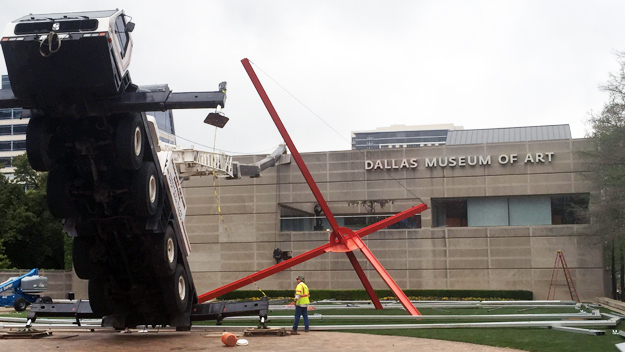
<point x="527" y="339"/>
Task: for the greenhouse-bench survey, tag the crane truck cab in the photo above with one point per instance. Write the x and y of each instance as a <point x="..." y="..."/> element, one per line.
<point x="68" y="54"/>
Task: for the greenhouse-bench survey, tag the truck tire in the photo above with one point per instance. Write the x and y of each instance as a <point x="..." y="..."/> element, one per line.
<point x="38" y="144"/>
<point x="58" y="193"/>
<point x="20" y="304"/>
<point x="177" y="292"/>
<point x="164" y="253"/>
<point x="99" y="290"/>
<point x="146" y="190"/>
<point x="130" y="142"/>
<point x="84" y="266"/>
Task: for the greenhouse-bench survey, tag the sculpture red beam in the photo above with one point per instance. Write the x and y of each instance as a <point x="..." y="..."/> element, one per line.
<point x="341" y="239"/>
<point x="328" y="247"/>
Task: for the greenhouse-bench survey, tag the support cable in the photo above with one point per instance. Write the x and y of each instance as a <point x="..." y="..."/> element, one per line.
<point x="221" y="217"/>
<point x="335" y="131"/>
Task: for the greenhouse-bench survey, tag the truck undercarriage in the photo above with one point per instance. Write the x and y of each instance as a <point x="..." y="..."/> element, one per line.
<point x="88" y="128"/>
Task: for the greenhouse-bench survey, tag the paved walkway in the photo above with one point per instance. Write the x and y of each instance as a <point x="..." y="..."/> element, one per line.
<point x="203" y="341"/>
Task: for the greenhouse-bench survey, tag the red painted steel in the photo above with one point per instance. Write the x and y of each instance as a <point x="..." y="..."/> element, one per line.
<point x="328" y="247"/>
<point x="363" y="278"/>
<point x="291" y="145"/>
<point x="391" y="220"/>
<point x="388" y="279"/>
<point x="264" y="273"/>
<point x="341" y="240"/>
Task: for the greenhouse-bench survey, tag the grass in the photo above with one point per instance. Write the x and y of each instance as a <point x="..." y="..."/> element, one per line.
<point x="527" y="339"/>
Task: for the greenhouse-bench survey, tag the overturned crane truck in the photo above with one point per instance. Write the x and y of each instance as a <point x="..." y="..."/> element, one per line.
<point x="123" y="206"/>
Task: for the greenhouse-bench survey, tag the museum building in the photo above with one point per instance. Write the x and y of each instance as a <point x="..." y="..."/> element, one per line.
<point x="501" y="203"/>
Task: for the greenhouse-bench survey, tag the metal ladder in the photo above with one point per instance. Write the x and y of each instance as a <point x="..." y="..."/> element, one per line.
<point x="561" y="263"/>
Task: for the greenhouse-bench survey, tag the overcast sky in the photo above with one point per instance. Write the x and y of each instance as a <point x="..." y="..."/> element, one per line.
<point x="358" y="65"/>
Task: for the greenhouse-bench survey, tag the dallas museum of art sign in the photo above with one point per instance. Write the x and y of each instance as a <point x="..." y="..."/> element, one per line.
<point x="459" y="161"/>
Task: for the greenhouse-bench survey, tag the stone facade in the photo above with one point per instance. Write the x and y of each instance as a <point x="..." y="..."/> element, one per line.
<point x="240" y="240"/>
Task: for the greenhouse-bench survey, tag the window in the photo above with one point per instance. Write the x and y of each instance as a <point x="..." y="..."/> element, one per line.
<point x="297" y="220"/>
<point x="5" y="146"/>
<point x="449" y="212"/>
<point x="5" y="162"/>
<point x="569" y="209"/>
<point x="122" y="34"/>
<point x="510" y="211"/>
<point x="19" y="129"/>
<point x="5" y="130"/>
<point x="19" y="145"/>
<point x="164" y="120"/>
<point x="5" y="83"/>
<point x="6" y="114"/>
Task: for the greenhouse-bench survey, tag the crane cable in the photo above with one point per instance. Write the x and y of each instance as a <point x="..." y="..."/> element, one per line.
<point x="221" y="217"/>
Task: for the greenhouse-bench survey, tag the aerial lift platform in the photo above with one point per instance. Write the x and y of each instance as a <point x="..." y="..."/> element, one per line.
<point x="24" y="290"/>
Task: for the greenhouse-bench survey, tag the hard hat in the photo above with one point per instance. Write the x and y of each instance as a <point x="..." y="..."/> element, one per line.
<point x="301" y="277"/>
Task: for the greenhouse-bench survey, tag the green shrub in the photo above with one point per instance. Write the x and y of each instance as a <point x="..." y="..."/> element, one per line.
<point x="344" y="295"/>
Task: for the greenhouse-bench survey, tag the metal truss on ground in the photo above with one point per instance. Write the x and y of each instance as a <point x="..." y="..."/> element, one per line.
<point x="582" y="322"/>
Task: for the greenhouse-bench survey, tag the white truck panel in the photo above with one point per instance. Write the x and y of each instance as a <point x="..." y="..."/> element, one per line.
<point x="175" y="189"/>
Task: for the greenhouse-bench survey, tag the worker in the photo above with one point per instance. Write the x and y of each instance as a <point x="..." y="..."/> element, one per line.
<point x="302" y="299"/>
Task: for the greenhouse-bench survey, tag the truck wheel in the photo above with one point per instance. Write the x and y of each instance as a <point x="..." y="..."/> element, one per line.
<point x="146" y="190"/>
<point x="99" y="290"/>
<point x="84" y="267"/>
<point x="177" y="293"/>
<point x="164" y="253"/>
<point x="58" y="193"/>
<point x="20" y="304"/>
<point x="37" y="144"/>
<point x="130" y="142"/>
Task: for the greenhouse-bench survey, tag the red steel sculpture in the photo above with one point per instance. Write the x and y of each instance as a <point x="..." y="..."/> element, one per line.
<point x="342" y="240"/>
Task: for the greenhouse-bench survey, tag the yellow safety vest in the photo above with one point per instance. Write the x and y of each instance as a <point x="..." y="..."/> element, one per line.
<point x="304" y="294"/>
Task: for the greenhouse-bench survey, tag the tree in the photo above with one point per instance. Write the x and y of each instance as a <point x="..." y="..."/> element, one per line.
<point x="31" y="237"/>
<point x="607" y="166"/>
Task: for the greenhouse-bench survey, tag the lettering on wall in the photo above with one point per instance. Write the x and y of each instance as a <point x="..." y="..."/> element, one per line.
<point x="459" y="161"/>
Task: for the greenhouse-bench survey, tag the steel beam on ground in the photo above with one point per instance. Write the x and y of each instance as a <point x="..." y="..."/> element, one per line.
<point x="578" y="330"/>
<point x="489" y="325"/>
<point x="450" y="317"/>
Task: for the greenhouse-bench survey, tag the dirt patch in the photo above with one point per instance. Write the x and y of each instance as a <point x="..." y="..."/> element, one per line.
<point x="210" y="341"/>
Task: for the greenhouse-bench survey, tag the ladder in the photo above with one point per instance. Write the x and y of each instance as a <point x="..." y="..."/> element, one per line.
<point x="561" y="263"/>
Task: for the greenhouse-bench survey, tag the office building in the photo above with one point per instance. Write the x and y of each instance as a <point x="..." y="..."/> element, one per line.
<point x="12" y="134"/>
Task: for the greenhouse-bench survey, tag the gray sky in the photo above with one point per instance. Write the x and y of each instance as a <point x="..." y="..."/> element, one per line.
<point x="362" y="64"/>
